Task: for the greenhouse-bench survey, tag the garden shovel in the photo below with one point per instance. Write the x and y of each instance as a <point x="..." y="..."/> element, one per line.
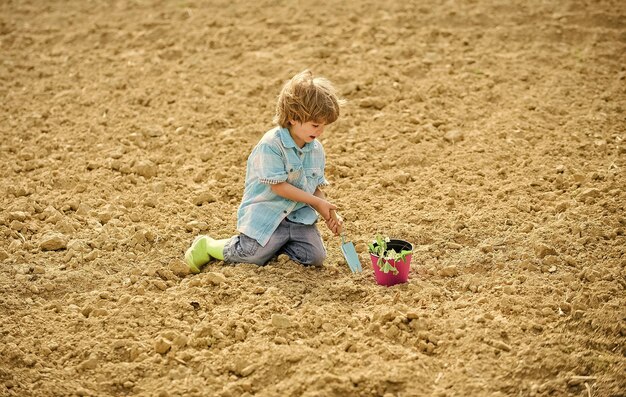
<point x="348" y="250"/>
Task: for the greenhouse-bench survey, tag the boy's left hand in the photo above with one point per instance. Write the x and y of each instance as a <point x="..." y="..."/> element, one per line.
<point x="335" y="223"/>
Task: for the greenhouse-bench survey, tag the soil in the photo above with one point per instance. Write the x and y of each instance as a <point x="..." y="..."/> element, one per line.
<point x="487" y="133"/>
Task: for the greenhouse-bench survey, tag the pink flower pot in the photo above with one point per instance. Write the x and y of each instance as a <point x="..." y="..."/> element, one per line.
<point x="388" y="279"/>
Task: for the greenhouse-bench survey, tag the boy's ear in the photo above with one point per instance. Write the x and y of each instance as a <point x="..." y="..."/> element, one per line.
<point x="292" y="122"/>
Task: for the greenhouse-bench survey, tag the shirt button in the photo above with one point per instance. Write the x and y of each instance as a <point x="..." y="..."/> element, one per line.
<point x="284" y="212"/>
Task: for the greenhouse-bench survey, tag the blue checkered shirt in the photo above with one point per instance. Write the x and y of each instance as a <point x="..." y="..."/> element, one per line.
<point x="275" y="159"/>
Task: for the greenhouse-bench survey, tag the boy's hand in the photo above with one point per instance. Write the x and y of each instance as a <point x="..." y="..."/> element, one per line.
<point x="324" y="208"/>
<point x="335" y="223"/>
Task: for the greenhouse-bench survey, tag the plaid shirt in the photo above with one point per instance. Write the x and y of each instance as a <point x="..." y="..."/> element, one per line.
<point x="275" y="159"/>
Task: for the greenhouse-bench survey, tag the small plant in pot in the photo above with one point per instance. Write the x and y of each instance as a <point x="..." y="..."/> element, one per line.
<point x="391" y="260"/>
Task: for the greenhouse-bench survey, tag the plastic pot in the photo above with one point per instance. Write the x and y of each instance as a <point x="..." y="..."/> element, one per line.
<point x="388" y="279"/>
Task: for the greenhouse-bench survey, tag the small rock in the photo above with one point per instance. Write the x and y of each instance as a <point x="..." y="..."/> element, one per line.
<point x="215" y="278"/>
<point x="454" y="136"/>
<point x="371" y="102"/>
<point x="411" y="315"/>
<point x="502" y="346"/>
<point x="190" y="226"/>
<point x="544" y="250"/>
<point x="53" y="242"/>
<point x="204" y="196"/>
<point x="99" y="313"/>
<point x="590" y="192"/>
<point x="162" y="345"/>
<point x="154" y="132"/>
<point x="281" y="321"/>
<point x="561" y="207"/>
<point x="179" y="268"/>
<point x="181" y="340"/>
<point x="145" y="168"/>
<point x="82" y="392"/>
<point x="486" y="248"/>
<point x="78" y="246"/>
<point x="246" y="371"/>
<point x="160" y="284"/>
<point x="90" y="363"/>
<point x="449" y="271"/>
<point x="509" y="289"/>
<point x="18" y="216"/>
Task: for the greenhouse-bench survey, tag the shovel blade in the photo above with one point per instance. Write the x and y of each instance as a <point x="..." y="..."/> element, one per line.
<point x="349" y="252"/>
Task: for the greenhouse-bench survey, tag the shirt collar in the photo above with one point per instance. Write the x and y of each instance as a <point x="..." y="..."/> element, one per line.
<point x="288" y="142"/>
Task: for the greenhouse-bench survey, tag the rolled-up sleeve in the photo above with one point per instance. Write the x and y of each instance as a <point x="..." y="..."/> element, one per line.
<point x="269" y="164"/>
<point x="323" y="181"/>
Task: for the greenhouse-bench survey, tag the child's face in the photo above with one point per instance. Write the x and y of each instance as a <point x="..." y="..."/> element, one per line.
<point x="303" y="133"/>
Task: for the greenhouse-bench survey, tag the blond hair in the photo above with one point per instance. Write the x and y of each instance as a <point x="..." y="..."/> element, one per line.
<point x="306" y="98"/>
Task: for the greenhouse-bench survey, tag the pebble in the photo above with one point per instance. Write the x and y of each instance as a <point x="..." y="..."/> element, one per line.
<point x="509" y="289"/>
<point x="502" y="346"/>
<point x="178" y="267"/>
<point x="162" y="345"/>
<point x="544" y="250"/>
<point x="246" y="371"/>
<point x="81" y="391"/>
<point x="371" y="102"/>
<point x="454" y="136"/>
<point x="590" y="192"/>
<point x="190" y="226"/>
<point x="411" y="315"/>
<point x="90" y="363"/>
<point x="281" y="321"/>
<point x="78" y="246"/>
<point x="145" y="168"/>
<point x="449" y="271"/>
<point x="181" y="340"/>
<point x="204" y="196"/>
<point x="18" y="216"/>
<point x="215" y="278"/>
<point x="53" y="242"/>
<point x="160" y="284"/>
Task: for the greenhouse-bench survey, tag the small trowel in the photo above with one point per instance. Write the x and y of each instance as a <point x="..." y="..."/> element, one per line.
<point x="349" y="252"/>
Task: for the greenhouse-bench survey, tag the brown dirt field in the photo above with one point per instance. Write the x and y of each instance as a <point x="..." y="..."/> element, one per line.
<point x="489" y="134"/>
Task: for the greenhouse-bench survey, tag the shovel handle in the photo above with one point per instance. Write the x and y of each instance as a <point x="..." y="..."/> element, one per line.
<point x="336" y="217"/>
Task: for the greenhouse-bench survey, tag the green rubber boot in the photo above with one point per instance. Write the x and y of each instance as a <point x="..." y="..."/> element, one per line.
<point x="197" y="255"/>
<point x="216" y="248"/>
<point x="202" y="250"/>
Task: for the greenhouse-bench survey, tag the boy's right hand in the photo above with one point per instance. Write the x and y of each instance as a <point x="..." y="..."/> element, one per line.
<point x="335" y="223"/>
<point x="324" y="208"/>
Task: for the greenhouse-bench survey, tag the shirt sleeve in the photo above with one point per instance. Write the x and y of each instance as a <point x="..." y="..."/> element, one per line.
<point x="269" y="164"/>
<point x="322" y="181"/>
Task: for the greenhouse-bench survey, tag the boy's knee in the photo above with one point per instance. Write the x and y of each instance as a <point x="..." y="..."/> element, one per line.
<point x="316" y="258"/>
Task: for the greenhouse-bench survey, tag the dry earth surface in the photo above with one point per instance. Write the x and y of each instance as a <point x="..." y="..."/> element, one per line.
<point x="489" y="134"/>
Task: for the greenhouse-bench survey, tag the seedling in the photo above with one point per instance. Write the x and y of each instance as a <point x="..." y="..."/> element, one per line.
<point x="387" y="258"/>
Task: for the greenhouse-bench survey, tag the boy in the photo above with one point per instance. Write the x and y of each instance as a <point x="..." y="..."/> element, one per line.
<point x="282" y="196"/>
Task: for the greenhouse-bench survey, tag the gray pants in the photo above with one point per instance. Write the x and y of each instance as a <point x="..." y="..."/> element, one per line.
<point x="302" y="243"/>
